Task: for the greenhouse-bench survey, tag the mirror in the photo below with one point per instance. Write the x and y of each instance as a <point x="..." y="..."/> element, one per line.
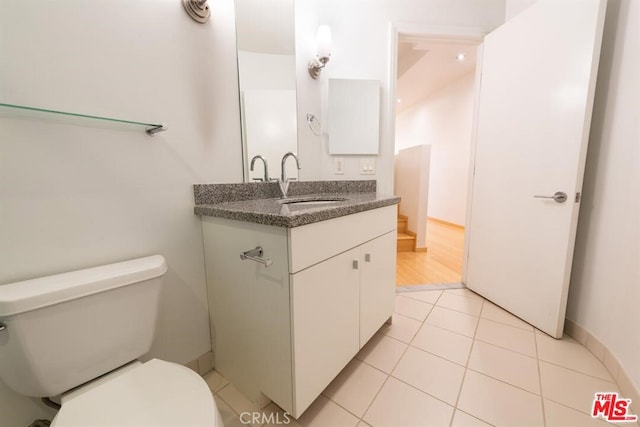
<point x="267" y="80"/>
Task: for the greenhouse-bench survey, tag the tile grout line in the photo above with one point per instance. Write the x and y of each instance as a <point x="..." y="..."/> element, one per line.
<point x="389" y="375"/>
<point x="385" y="373"/>
<point x="479" y="317"/>
<point x="422" y="323"/>
<point x="466" y="367"/>
<point x="340" y="406"/>
<point x="409" y="345"/>
<point x="423" y="392"/>
<point x="505" y="348"/>
<point x="503" y="381"/>
<point x="579" y="372"/>
<point x="535" y="342"/>
<point x="474" y="339"/>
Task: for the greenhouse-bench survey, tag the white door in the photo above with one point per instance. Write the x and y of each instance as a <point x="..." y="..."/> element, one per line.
<point x="536" y="96"/>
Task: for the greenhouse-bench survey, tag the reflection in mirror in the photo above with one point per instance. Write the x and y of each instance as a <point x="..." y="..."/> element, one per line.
<point x="267" y="77"/>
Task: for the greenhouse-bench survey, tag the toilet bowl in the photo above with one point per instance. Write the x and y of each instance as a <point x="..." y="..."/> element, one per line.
<point x="155" y="393"/>
<point x="80" y="334"/>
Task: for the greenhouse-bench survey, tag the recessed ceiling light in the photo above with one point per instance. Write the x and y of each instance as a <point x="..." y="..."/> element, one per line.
<point x="399" y="100"/>
<point x="460" y="56"/>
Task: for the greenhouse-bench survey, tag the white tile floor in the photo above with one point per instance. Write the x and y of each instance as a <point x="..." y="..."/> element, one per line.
<point x="450" y="358"/>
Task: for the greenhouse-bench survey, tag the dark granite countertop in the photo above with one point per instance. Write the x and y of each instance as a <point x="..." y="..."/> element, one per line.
<point x="260" y="202"/>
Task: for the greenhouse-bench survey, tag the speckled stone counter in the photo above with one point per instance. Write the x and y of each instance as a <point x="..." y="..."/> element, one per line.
<point x="261" y="202"/>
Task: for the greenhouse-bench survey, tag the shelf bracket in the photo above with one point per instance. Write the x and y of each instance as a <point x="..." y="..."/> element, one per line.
<point x="155" y="129"/>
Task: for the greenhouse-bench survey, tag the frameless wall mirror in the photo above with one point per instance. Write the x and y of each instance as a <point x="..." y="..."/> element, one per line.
<point x="354" y="116"/>
<point x="267" y="77"/>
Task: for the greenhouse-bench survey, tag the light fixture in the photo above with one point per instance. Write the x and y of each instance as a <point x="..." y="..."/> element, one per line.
<point x="460" y="57"/>
<point x="323" y="40"/>
<point x="198" y="10"/>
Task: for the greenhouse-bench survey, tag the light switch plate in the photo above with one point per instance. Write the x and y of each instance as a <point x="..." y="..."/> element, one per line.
<point x="338" y="166"/>
<point x="367" y="166"/>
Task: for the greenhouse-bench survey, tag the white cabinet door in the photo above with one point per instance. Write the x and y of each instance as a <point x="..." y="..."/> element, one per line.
<point x="377" y="284"/>
<point x="324" y="303"/>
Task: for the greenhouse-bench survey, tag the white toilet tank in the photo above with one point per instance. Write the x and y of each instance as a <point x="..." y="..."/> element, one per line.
<point x="64" y="330"/>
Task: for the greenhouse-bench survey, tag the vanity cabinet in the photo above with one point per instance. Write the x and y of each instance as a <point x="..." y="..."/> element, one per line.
<point x="286" y="331"/>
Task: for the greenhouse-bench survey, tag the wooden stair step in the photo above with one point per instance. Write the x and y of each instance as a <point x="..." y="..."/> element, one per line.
<point x="402" y="223"/>
<point x="406" y="236"/>
<point x="406" y="242"/>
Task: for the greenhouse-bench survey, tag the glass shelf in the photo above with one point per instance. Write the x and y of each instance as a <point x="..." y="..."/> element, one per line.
<point x="20" y="111"/>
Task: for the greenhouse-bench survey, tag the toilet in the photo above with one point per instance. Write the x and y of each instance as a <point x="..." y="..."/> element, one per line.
<point x="79" y="335"/>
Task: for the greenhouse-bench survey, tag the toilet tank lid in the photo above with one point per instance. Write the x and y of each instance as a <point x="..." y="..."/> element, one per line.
<point x="20" y="297"/>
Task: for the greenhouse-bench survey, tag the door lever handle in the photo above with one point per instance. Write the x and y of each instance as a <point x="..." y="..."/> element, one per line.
<point x="558" y="197"/>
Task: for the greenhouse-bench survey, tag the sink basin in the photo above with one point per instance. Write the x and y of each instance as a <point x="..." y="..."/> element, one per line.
<point x="311" y="200"/>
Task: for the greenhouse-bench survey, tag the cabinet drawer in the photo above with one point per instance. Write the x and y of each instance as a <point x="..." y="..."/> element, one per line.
<point x="313" y="243"/>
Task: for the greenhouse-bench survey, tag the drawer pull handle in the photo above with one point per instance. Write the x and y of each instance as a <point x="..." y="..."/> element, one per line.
<point x="256" y="254"/>
<point x="355" y="264"/>
<point x="367" y="257"/>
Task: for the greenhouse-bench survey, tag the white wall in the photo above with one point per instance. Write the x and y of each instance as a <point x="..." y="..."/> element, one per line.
<point x="78" y="196"/>
<point x="361" y="44"/>
<point x="604" y="295"/>
<point x="412" y="185"/>
<point x="443" y="120"/>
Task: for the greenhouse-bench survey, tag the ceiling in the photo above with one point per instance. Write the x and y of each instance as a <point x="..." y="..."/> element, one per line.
<point x="424" y="66"/>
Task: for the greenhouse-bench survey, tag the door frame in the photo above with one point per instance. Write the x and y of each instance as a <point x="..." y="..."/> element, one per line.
<point x="440" y="33"/>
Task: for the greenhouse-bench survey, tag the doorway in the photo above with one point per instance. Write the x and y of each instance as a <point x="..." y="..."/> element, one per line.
<point x="436" y="92"/>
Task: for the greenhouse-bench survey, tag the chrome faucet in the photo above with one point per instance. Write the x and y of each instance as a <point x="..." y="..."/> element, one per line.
<point x="266" y="170"/>
<point x="284" y="181"/>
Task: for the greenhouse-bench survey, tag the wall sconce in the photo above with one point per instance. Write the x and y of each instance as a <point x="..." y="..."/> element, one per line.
<point x="323" y="39"/>
<point x="198" y="10"/>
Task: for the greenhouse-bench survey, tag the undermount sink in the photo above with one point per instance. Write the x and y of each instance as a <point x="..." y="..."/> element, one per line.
<point x="311" y="200"/>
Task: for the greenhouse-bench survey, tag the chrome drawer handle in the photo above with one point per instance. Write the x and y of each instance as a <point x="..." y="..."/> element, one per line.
<point x="2" y="326"/>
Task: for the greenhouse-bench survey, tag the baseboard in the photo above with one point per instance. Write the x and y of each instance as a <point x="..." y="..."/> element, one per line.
<point x="609" y="360"/>
<point x="421" y="249"/>
<point x="202" y="364"/>
<point x="415" y="239"/>
<point x="442" y="221"/>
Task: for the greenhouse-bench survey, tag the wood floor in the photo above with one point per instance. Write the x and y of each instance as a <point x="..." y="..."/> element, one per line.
<point x="442" y="263"/>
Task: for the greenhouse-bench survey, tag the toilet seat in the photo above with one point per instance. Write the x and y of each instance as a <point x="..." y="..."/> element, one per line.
<point x="155" y="393"/>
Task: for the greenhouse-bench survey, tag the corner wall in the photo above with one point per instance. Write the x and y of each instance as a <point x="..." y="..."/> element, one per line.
<point x="412" y="185"/>
<point x="74" y="196"/>
<point x="604" y="295"/>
